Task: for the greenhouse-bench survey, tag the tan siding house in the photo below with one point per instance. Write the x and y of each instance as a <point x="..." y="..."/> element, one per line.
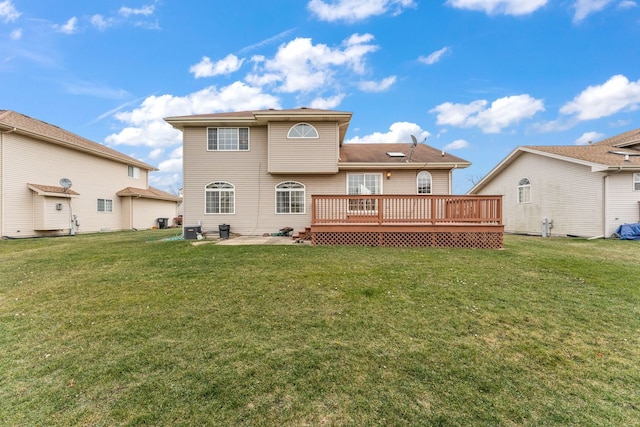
<point x="266" y="183"/>
<point x="103" y="189"/>
<point x="583" y="191"/>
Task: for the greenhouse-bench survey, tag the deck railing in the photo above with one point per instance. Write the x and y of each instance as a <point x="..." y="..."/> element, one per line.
<point x="406" y="209"/>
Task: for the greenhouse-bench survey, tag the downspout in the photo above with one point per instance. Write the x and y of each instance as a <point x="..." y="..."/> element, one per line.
<point x="2" y="172"/>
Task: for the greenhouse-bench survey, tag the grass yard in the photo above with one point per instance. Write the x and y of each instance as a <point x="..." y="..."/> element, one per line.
<point x="123" y="329"/>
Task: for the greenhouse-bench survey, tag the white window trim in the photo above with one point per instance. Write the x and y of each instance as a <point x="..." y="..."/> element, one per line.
<point x="636" y="182"/>
<point x="522" y="186"/>
<point x="430" y="182"/>
<point x="317" y="135"/>
<point x="133" y="172"/>
<point x="213" y="191"/>
<point x="368" y="211"/>
<point x="104" y="201"/>
<point x="304" y="192"/>
<point x="230" y="127"/>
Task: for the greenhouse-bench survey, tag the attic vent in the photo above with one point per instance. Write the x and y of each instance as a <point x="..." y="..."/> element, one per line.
<point x="395" y="154"/>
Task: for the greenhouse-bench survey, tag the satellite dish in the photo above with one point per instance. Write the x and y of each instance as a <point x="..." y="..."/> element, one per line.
<point x="65" y="183"/>
<point x="415" y="140"/>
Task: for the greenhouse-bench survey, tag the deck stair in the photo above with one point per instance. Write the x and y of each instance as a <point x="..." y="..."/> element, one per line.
<point x="303" y="234"/>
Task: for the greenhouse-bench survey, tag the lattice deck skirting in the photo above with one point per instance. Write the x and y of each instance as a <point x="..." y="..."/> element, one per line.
<point x="448" y="239"/>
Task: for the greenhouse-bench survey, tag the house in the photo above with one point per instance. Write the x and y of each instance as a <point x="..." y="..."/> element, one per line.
<point x="585" y="191"/>
<point x="259" y="172"/>
<point x="53" y="182"/>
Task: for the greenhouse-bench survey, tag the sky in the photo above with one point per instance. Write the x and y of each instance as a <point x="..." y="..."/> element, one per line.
<point x="475" y="78"/>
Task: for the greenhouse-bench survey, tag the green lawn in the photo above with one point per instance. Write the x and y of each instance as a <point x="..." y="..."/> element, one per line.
<point x="125" y="329"/>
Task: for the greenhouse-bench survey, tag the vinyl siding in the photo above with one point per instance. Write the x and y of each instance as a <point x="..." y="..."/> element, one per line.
<point x="31" y="161"/>
<point x="303" y="155"/>
<point x="623" y="203"/>
<point x="255" y="206"/>
<point x="568" y="194"/>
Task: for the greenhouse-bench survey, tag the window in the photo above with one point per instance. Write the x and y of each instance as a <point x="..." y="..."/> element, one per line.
<point x="134" y="171"/>
<point x="290" y="197"/>
<point x="364" y="183"/>
<point x="105" y="205"/>
<point x="636" y="182"/>
<point x="424" y="183"/>
<point x="228" y="139"/>
<point x="220" y="198"/>
<point x="302" y="130"/>
<point x="524" y="191"/>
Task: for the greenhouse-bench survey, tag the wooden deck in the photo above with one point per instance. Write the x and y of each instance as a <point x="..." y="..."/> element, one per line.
<point x="407" y="220"/>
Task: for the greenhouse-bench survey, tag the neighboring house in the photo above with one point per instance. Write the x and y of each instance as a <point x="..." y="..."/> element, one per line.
<point x="259" y="171"/>
<point x="53" y="182"/>
<point x="585" y="190"/>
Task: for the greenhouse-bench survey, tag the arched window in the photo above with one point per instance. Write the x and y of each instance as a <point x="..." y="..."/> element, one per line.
<point x="524" y="191"/>
<point x="424" y="182"/>
<point x="220" y="198"/>
<point x="302" y="130"/>
<point x="290" y="197"/>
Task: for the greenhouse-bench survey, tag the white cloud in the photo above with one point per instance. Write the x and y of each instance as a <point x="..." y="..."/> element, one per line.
<point x="399" y="132"/>
<point x="458" y="144"/>
<point x="627" y="4"/>
<point x="144" y="11"/>
<point x="206" y="68"/>
<point x="145" y="125"/>
<point x="70" y="27"/>
<point x="615" y="95"/>
<point x="156" y="154"/>
<point x="301" y="66"/>
<point x="587" y="7"/>
<point x="356" y="10"/>
<point x="8" y="12"/>
<point x="327" y="103"/>
<point x="588" y="137"/>
<point x="502" y="113"/>
<point x="16" y="34"/>
<point x="381" y="86"/>
<point x="434" y="57"/>
<point x="100" y="22"/>
<point x="500" y="7"/>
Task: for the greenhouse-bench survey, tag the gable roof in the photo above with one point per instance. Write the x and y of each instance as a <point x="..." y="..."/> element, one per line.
<point x="150" y="193"/>
<point x="11" y="121"/>
<point x="620" y="152"/>
<point x="397" y="156"/>
<point x="262" y="117"/>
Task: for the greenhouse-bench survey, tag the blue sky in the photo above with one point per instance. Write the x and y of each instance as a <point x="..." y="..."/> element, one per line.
<point x="476" y="78"/>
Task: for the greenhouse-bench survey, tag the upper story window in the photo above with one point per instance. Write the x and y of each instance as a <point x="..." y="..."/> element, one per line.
<point x="290" y="197"/>
<point x="228" y="139"/>
<point x="105" y="205"/>
<point x="636" y="182"/>
<point x="524" y="191"/>
<point x="302" y="130"/>
<point x="133" y="171"/>
<point x="220" y="198"/>
<point x="424" y="182"/>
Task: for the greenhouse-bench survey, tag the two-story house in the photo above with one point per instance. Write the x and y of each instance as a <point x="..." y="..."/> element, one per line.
<point x="262" y="171"/>
<point x="54" y="182"/>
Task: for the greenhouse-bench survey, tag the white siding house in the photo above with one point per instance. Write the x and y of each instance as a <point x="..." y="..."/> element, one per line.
<point x="102" y="189"/>
<point x="583" y="191"/>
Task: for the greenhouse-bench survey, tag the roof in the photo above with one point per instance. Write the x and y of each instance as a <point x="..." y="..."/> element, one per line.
<point x="50" y="190"/>
<point x="150" y="193"/>
<point x="11" y="121"/>
<point x="398" y="156"/>
<point x="262" y="117"/>
<point x="620" y="152"/>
